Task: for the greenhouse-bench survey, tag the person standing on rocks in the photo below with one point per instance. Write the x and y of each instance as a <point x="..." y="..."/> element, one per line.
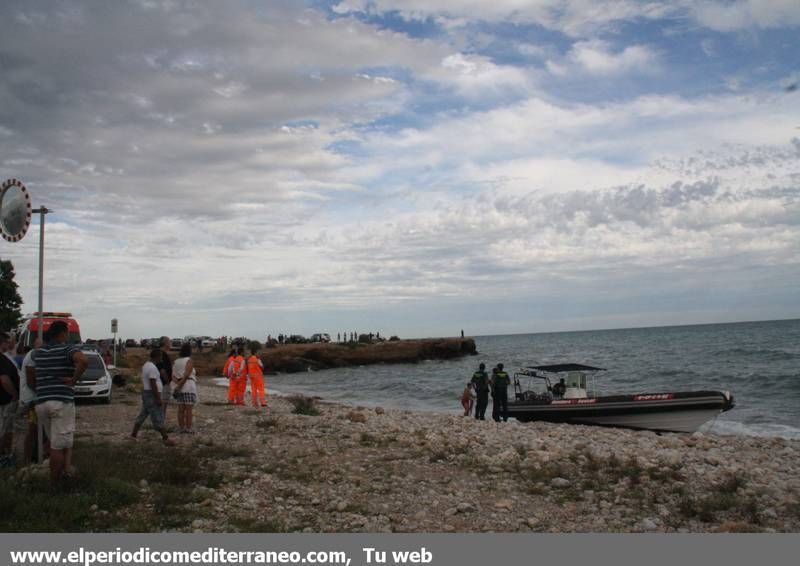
<point x="228" y="371"/>
<point x="240" y="372"/>
<point x="9" y="395"/>
<point x="255" y="373"/>
<point x="185" y="388"/>
<point x="480" y="383"/>
<point x="467" y="399"/>
<point x="152" y="398"/>
<point x="59" y="365"/>
<point x="500" y="383"/>
<point x="164" y="366"/>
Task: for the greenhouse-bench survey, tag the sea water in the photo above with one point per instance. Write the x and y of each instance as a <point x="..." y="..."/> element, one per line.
<point x="759" y="362"/>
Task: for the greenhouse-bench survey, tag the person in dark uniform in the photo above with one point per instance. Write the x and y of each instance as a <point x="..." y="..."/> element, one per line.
<point x="500" y="383"/>
<point x="559" y="389"/>
<point x="480" y="383"/>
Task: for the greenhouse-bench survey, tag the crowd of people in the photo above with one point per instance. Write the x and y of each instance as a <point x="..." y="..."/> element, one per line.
<point x="37" y="387"/>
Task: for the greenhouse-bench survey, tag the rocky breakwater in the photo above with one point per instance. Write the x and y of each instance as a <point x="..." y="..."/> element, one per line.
<point x="297" y="358"/>
<point x="293" y="358"/>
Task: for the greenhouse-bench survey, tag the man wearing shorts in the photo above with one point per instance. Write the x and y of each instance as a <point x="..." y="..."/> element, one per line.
<point x="59" y="365"/>
<point x="152" y="390"/>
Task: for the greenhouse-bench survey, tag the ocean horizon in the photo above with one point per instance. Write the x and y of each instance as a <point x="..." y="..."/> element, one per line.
<point x="758" y="361"/>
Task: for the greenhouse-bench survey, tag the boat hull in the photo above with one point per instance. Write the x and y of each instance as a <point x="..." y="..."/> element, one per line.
<point x="663" y="412"/>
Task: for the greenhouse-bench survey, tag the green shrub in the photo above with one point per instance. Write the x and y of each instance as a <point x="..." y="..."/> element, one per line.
<point x="304" y="405"/>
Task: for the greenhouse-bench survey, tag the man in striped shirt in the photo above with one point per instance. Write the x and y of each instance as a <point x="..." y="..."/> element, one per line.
<point x="59" y="366"/>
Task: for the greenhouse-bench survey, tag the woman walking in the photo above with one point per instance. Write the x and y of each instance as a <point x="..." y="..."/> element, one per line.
<point x="185" y="388"/>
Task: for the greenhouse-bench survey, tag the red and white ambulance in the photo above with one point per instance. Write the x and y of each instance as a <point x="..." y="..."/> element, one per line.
<point x="29" y="329"/>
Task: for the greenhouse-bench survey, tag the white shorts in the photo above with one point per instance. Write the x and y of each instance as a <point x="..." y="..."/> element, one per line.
<point x="58" y="420"/>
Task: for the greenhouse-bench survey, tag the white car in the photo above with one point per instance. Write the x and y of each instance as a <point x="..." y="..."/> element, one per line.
<point x="209" y="342"/>
<point x="96" y="382"/>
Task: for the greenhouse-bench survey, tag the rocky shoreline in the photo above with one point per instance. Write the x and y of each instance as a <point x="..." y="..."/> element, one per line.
<point x="352" y="469"/>
<point x="295" y="358"/>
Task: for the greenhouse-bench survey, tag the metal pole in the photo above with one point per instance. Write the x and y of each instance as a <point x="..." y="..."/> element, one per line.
<point x="115" y="349"/>
<point x="40" y="332"/>
<point x="42" y="211"/>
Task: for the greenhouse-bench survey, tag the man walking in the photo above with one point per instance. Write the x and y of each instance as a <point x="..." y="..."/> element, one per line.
<point x="164" y="367"/>
<point x="480" y="383"/>
<point x="59" y="365"/>
<point x="152" y="389"/>
<point x="500" y="384"/>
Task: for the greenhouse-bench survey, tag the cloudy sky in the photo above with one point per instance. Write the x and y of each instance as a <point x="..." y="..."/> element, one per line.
<point x="414" y="167"/>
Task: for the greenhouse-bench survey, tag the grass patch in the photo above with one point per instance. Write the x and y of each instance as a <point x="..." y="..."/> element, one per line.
<point x="109" y="477"/>
<point x="302" y="405"/>
<point x="250" y="525"/>
<point x="630" y="469"/>
<point x="222" y="452"/>
<point x="731" y="483"/>
<point x="706" y="508"/>
<point x="267" y="423"/>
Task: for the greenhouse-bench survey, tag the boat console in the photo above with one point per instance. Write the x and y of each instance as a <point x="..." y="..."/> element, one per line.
<point x="576" y="385"/>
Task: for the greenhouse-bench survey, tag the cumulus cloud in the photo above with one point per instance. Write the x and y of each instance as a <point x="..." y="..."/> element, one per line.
<point x="573" y="17"/>
<point x="598" y="57"/>
<point x="743" y="14"/>
<point x="475" y="76"/>
<point x="219" y="168"/>
<point x="583" y="18"/>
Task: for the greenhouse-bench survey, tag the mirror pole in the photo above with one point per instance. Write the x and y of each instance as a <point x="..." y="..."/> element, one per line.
<point x="40" y="428"/>
<point x="42" y="211"/>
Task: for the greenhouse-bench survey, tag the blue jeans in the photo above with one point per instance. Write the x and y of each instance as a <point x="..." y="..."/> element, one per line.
<point x="150" y="409"/>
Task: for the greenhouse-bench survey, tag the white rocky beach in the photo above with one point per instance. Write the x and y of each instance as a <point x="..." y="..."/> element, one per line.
<point x="355" y="469"/>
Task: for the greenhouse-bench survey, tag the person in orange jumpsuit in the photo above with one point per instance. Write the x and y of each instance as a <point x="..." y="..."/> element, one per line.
<point x="240" y="372"/>
<point x="227" y="371"/>
<point x="255" y="373"/>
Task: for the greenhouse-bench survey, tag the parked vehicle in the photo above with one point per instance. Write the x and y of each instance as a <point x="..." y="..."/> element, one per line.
<point x="130" y="343"/>
<point x="28" y="330"/>
<point x="176" y="343"/>
<point x="208" y="342"/>
<point x="96" y="382"/>
<point x="322" y="337"/>
<point x="296" y="339"/>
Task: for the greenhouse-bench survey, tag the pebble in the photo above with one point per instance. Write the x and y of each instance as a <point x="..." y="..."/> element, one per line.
<point x="425" y="472"/>
<point x="648" y="525"/>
